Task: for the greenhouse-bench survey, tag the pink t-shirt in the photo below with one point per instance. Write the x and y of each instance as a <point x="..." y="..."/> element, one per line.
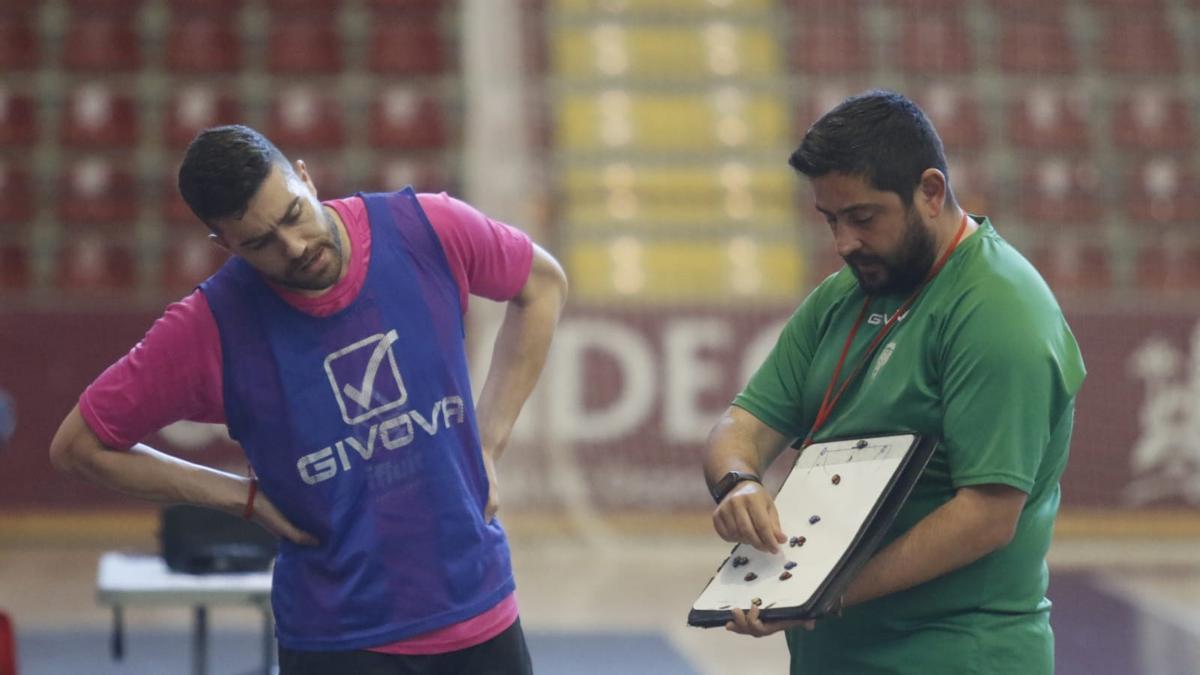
<point x="174" y="373"/>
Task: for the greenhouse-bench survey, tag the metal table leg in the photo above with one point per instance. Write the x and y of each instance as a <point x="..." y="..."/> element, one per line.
<point x="200" y="641"/>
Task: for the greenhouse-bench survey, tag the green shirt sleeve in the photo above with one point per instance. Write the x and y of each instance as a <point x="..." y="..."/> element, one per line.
<point x="774" y="393"/>
<point x="1011" y="369"/>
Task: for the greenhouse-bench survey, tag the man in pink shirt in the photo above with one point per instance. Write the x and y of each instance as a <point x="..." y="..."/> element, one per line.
<point x="331" y="344"/>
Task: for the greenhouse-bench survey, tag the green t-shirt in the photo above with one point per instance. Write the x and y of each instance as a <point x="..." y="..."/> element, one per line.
<point x="985" y="360"/>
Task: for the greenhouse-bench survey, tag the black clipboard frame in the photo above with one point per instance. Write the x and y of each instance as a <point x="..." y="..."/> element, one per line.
<point x="866" y="541"/>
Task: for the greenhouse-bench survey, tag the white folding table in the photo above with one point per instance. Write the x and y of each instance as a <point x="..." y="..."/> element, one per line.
<point x="127" y="580"/>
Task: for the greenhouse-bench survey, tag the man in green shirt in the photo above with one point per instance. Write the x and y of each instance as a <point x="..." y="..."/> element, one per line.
<point x="936" y="325"/>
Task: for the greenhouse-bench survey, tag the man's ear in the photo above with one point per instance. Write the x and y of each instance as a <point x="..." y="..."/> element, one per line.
<point x="932" y="192"/>
<point x="303" y="175"/>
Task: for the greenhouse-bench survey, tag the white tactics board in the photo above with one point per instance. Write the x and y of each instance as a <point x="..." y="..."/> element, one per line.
<point x="834" y="505"/>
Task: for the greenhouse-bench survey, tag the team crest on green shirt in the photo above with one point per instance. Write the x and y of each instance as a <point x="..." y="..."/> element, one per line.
<point x="885" y="355"/>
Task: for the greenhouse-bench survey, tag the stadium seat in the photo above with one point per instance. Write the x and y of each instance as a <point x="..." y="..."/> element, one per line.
<point x="17" y="200"/>
<point x="407" y="44"/>
<point x="1138" y="43"/>
<point x="306" y="44"/>
<point x="403" y="118"/>
<point x="89" y="261"/>
<point x="194" y="108"/>
<point x="683" y="270"/>
<point x="314" y="6"/>
<point x="1152" y="119"/>
<point x="659" y="53"/>
<point x="175" y="211"/>
<point x="14" y="275"/>
<point x="1072" y="264"/>
<point x="97" y="116"/>
<point x="972" y="181"/>
<point x="830" y="43"/>
<point x="206" y="5"/>
<point x="722" y="120"/>
<point x="825" y="97"/>
<point x="1049" y="119"/>
<point x="679" y="198"/>
<point x="102" y="43"/>
<point x="188" y="261"/>
<point x="956" y="116"/>
<point x="19" y="48"/>
<point x="18" y="119"/>
<point x="659" y="7"/>
<point x="1162" y="189"/>
<point x="203" y="42"/>
<point x="424" y="174"/>
<point x="1036" y="43"/>
<point x="300" y="117"/>
<point x="92" y="191"/>
<point x="933" y="43"/>
<point x="1056" y="191"/>
<point x="1169" y="263"/>
<point x="126" y="6"/>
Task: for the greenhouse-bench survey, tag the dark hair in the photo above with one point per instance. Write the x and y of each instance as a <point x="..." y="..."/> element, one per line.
<point x="223" y="168"/>
<point x="878" y="135"/>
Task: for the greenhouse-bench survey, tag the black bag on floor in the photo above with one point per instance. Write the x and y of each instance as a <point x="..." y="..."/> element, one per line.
<point x="197" y="540"/>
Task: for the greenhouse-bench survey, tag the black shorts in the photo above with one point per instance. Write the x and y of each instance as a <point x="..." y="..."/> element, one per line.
<point x="505" y="654"/>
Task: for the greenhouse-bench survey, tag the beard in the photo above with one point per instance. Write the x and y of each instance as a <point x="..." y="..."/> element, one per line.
<point x="327" y="275"/>
<point x="902" y="272"/>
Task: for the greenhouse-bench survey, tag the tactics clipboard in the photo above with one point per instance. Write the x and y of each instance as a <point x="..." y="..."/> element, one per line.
<point x="836" y="504"/>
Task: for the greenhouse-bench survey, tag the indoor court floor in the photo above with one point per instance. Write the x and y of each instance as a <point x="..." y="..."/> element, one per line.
<point x="1122" y="607"/>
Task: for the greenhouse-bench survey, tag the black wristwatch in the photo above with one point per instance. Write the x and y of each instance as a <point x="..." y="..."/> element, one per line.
<point x="729" y="481"/>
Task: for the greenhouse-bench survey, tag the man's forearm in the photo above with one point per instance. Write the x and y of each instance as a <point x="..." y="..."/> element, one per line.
<point x="958" y="533"/>
<point x="142" y="471"/>
<point x="517" y="360"/>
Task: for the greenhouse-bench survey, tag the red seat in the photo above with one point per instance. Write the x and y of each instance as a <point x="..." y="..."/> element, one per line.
<point x="1169" y="263"/>
<point x="972" y="181"/>
<point x="93" y="191"/>
<point x="194" y="108"/>
<point x="203" y="42"/>
<point x="17" y="205"/>
<point x="1163" y="190"/>
<point x="407" y="44"/>
<point x="14" y="274"/>
<point x="830" y="43"/>
<point x="1050" y="119"/>
<point x="1060" y="191"/>
<point x="402" y="118"/>
<point x="189" y="261"/>
<point x="90" y="261"/>
<point x="410" y="5"/>
<point x="956" y="117"/>
<point x="1138" y="42"/>
<point x="98" y="116"/>
<point x="1152" y="118"/>
<point x="1036" y="43"/>
<point x="18" y="119"/>
<point x="825" y="97"/>
<point x="1072" y="264"/>
<point x="18" y="43"/>
<point x="175" y="211"/>
<point x="126" y="6"/>
<point x="102" y="43"/>
<point x="933" y="43"/>
<point x="424" y="174"/>
<point x="303" y="45"/>
<point x="328" y="6"/>
<point x="206" y="5"/>
<point x="300" y="117"/>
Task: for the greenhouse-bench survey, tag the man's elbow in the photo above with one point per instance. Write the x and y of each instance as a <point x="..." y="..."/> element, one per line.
<point x="68" y="448"/>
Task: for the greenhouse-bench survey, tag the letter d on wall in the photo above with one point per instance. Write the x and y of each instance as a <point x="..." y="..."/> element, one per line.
<point x="569" y="419"/>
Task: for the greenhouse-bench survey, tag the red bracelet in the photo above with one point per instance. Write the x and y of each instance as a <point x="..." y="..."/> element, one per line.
<point x="249" y="510"/>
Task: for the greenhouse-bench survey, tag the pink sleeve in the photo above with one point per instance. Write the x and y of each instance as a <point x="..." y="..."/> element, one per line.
<point x="487" y="257"/>
<point x="173" y="374"/>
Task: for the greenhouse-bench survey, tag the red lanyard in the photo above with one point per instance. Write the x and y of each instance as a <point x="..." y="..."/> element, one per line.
<point x="831" y="399"/>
